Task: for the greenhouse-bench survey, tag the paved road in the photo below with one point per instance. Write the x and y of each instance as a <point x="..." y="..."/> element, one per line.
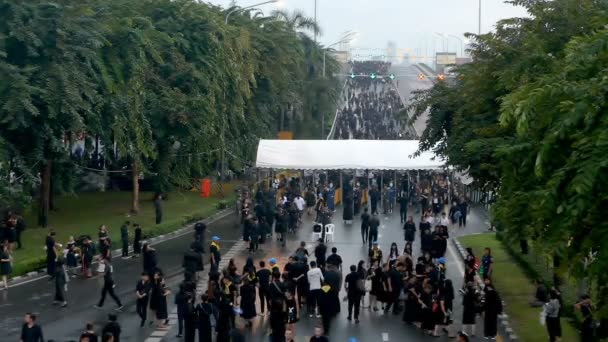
<point x="374" y="326"/>
<point x="409" y="83"/>
<point x="66" y="324"/>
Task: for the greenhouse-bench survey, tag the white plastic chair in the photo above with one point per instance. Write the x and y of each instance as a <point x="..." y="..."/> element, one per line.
<point x="317" y="235"/>
<point x="329" y="230"/>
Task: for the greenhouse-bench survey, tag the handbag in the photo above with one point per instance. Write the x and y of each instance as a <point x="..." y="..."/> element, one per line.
<point x="543" y="317"/>
<point x="361" y="285"/>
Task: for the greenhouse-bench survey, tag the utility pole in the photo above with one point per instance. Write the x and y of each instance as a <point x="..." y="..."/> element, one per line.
<point x="316" y="23"/>
<point x="479" y="20"/>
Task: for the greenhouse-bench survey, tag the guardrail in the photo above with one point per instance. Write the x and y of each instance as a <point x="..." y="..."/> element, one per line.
<point x="332" y="131"/>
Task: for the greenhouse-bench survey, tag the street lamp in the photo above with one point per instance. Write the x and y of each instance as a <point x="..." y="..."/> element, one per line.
<point x="347" y="37"/>
<point x="444" y="38"/>
<point x="238" y="9"/>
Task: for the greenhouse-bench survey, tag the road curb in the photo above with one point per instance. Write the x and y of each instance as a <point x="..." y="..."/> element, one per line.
<point x="40" y="274"/>
<point x="504" y="325"/>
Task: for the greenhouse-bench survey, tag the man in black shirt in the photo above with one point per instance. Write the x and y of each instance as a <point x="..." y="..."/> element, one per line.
<point x="263" y="275"/>
<point x="199" y="233"/>
<point x="192" y="261"/>
<point x="142" y="291"/>
<point x="351" y="284"/>
<point x="364" y="225"/>
<point x="31" y="332"/>
<point x="410" y="230"/>
<point x="108" y="286"/>
<point x="335" y="259"/>
<point x="124" y="238"/>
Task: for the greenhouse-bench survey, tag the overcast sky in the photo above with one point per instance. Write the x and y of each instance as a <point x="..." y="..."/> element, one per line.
<point x="411" y="24"/>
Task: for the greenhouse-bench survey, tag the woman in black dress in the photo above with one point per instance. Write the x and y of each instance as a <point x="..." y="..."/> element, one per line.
<point x="158" y="301"/>
<point x="412" y="305"/>
<point x="426" y="312"/>
<point x="248" y="295"/>
<point x="149" y="259"/>
<point x="377" y="291"/>
<point x="204" y="311"/>
<point x="137" y="240"/>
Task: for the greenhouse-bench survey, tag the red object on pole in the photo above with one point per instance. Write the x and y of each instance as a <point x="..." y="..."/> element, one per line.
<point x="205" y="188"/>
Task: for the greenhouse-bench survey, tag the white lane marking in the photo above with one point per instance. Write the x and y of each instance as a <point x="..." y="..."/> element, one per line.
<point x="159" y="333"/>
<point x="153" y="339"/>
<point x="456" y="259"/>
<point x="384" y="336"/>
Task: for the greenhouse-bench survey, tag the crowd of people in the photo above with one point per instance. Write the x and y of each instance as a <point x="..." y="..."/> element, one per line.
<point x="370" y="105"/>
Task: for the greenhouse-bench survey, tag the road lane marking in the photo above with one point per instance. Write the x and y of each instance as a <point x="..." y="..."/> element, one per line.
<point x="456" y="259"/>
<point x="384" y="337"/>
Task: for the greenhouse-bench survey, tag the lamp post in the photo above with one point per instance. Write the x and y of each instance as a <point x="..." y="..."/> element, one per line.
<point x="479" y="20"/>
<point x="223" y="128"/>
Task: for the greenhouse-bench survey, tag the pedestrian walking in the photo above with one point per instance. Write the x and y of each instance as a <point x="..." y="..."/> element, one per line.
<point x="374" y="224"/>
<point x="112" y="328"/>
<point x="214" y="253"/>
<point x="199" y="234"/>
<point x="248" y="295"/>
<point x="108" y="286"/>
<point x="364" y="225"/>
<point x="124" y="238"/>
<point x="182" y="301"/>
<point x="352" y="285"/>
<point x="142" y="293"/>
<point x="552" y="311"/>
<point x="87" y="252"/>
<point x="315" y="281"/>
<point x="51" y="253"/>
<point x="30" y="331"/>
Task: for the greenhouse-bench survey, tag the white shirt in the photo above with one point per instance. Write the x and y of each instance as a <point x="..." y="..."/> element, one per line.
<point x="445" y="222"/>
<point x="299" y="201"/>
<point x="315" y="277"/>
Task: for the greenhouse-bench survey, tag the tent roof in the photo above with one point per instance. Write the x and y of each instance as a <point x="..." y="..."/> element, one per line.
<point x="344" y="155"/>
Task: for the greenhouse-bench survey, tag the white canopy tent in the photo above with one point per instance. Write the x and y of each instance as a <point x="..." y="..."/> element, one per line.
<point x="344" y="155"/>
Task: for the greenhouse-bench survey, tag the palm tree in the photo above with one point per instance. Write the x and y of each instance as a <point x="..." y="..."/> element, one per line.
<point x="297" y="21"/>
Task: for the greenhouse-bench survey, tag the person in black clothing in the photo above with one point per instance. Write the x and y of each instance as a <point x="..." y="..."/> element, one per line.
<point x="353" y="290"/>
<point x="364" y="225"/>
<point x="158" y="208"/>
<point x="182" y="301"/>
<point x="403" y="202"/>
<point x="492" y="308"/>
<point x="60" y="282"/>
<point x="263" y="275"/>
<point x="142" y="291"/>
<point x="320" y="252"/>
<point x="335" y="259"/>
<point x="199" y="233"/>
<point x="112" y="328"/>
<point x="108" y="286"/>
<point x="89" y="333"/>
<point x="278" y="318"/>
<point x="19" y="228"/>
<point x="30" y="331"/>
<point x="51" y="254"/>
<point x="192" y="261"/>
<point x="329" y="305"/>
<point x="463" y="207"/>
<point x="410" y="230"/>
<point x="149" y="259"/>
<point x="204" y="311"/>
<point x="374" y="196"/>
<point x="137" y="240"/>
<point x="396" y="284"/>
<point x="374" y="223"/>
<point x="124" y="238"/>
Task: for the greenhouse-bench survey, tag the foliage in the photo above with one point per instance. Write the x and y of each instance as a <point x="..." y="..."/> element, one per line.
<point x="162" y="84"/>
<point x="527" y="118"/>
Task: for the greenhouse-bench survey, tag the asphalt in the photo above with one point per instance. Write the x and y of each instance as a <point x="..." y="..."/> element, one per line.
<point x="374" y="326"/>
<point x="66" y="324"/>
<point x="407" y="81"/>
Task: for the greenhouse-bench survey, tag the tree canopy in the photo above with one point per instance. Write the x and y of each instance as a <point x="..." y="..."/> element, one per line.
<point x="154" y="82"/>
<point x="528" y="119"/>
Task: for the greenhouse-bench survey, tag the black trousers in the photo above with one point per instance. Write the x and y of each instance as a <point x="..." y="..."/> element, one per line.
<point x="490" y="325"/>
<point x="364" y="233"/>
<point x="403" y="214"/>
<point x="125" y="248"/>
<point x="393" y="301"/>
<point x="59" y="293"/>
<point x="108" y="289"/>
<point x="159" y="217"/>
<point x="326" y="319"/>
<point x="264" y="298"/>
<point x="354" y="301"/>
<point x="311" y="300"/>
<point x="142" y="309"/>
<point x="374" y="207"/>
<point x="462" y="221"/>
<point x="180" y="323"/>
<point x="373" y="236"/>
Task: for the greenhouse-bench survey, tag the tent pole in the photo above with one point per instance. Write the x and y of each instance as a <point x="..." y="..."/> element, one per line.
<point x="341" y="189"/>
<point x="382" y="188"/>
<point x="367" y="200"/>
